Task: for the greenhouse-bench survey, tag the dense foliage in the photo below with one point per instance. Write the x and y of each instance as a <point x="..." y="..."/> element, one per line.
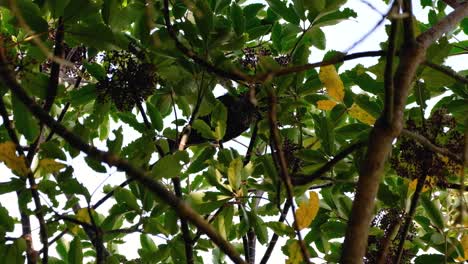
<point x="310" y="137"/>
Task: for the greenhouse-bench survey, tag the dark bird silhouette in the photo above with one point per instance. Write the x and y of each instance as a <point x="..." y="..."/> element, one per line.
<point x="240" y="115"/>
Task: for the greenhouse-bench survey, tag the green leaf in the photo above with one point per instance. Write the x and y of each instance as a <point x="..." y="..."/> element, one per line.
<point x="31" y="14"/>
<point x="167" y="167"/>
<point x="11" y="186"/>
<point x="125" y="196"/>
<point x="298" y="6"/>
<point x="98" y="36"/>
<point x="51" y="149"/>
<point x="281" y="229"/>
<point x="204" y="129"/>
<point x="96" y="70"/>
<point x="57" y="7"/>
<point x="83" y="95"/>
<point x="24" y="121"/>
<point x="153" y="226"/>
<point x="234" y="173"/>
<point x="114" y="146"/>
<point x="199" y="161"/>
<point x="203" y="17"/>
<point x="259" y="227"/>
<point x="280" y="8"/>
<point x="218" y="119"/>
<point x="432" y="212"/>
<point x="7" y="223"/>
<point x="316" y="37"/>
<point x="95" y="165"/>
<point x="155" y="116"/>
<point x="238" y="19"/>
<point x="36" y="84"/>
<point x="430" y="259"/>
<point x="75" y="253"/>
<point x="333" y="229"/>
<point x="78" y="10"/>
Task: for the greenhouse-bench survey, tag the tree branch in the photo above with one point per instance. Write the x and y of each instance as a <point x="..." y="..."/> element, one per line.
<point x="31" y="254"/>
<point x="429" y="145"/>
<point x="305" y="179"/>
<point x="55" y="68"/>
<point x="283" y="165"/>
<point x="382" y="136"/>
<point x="182" y="208"/>
<point x="447" y="71"/>
<point x="388" y="74"/>
<point x="274" y="238"/>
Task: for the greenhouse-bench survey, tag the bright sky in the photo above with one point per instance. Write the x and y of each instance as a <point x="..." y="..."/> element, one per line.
<point x="339" y="37"/>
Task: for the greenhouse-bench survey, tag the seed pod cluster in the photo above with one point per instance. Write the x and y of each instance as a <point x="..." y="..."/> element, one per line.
<point x="128" y="82"/>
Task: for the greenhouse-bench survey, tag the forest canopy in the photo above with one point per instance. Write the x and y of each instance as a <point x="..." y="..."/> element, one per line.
<point x="232" y="139"/>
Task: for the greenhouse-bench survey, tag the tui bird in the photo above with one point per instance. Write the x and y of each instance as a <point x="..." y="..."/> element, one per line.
<point x="240" y="114"/>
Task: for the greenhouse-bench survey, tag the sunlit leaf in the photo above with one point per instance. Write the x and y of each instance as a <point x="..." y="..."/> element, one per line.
<point x="332" y="82"/>
<point x="307" y="211"/>
<point x="326" y="104"/>
<point x="361" y="115"/>
<point x="295" y="253"/>
<point x="50" y="166"/>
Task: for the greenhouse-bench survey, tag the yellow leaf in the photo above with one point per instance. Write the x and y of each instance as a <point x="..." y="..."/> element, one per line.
<point x="430" y="182"/>
<point x="307" y="211"/>
<point x="464" y="243"/>
<point x="326" y="104"/>
<point x="295" y="255"/>
<point x="82" y="215"/>
<point x="50" y="166"/>
<point x="16" y="163"/>
<point x="361" y="115"/>
<point x="332" y="82"/>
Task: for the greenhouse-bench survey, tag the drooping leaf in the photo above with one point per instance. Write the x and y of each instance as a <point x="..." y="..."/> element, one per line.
<point x="75" y="253"/>
<point x="16" y="163"/>
<point x="307" y="211"/>
<point x="332" y="82"/>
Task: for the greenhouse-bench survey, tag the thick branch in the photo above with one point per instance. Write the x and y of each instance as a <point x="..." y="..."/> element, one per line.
<point x="388" y="74"/>
<point x="182" y="208"/>
<point x="382" y="136"/>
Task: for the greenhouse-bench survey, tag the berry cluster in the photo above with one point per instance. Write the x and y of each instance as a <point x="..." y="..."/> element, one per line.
<point x="129" y="81"/>
<point x="387" y="220"/>
<point x="252" y="56"/>
<point x="413" y="160"/>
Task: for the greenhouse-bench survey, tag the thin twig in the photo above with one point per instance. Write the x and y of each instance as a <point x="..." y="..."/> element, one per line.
<point x="31" y="254"/>
<point x="283" y="165"/>
<point x="305" y="179"/>
<point x="447" y="71"/>
<point x="429" y="145"/>
<point x="274" y="238"/>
